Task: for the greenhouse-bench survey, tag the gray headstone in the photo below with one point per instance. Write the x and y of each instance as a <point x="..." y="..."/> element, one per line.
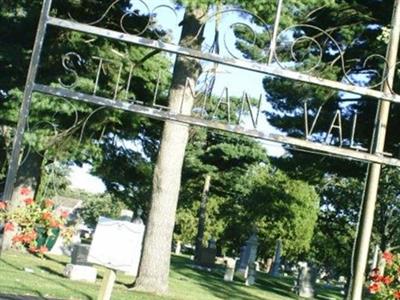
<point x="138" y="219"/>
<point x="248" y="255"/>
<point x="251" y="277"/>
<point x="243" y="258"/>
<point x="126" y="215"/>
<point x="212" y="244"/>
<point x="207" y="257"/>
<point x="277" y="259"/>
<point x="79" y="255"/>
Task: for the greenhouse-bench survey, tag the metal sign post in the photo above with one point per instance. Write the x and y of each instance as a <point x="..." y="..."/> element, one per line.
<point x="366" y="218"/>
<point x="26" y="102"/>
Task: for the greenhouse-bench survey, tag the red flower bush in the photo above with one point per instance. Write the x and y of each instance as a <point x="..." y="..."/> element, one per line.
<point x="386" y="286"/>
<point x="374" y="287"/>
<point x="49" y="203"/>
<point x="29" y="218"/>
<point x="24" y="191"/>
<point x="388" y="257"/>
<point x="3" y="205"/>
<point x="9" y="226"/>
<point x="42" y="249"/>
<point x="28" y="201"/>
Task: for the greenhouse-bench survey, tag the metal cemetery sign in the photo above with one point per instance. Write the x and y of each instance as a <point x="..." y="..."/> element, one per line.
<point x="272" y="64"/>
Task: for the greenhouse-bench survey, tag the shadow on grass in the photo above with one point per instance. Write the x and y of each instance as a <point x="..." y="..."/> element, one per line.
<point x="325" y="293"/>
<point x="37" y="292"/>
<point x="280" y="286"/>
<point x="13" y="297"/>
<point x="53" y="259"/>
<point x="214" y="283"/>
<point x="51" y="271"/>
<point x="61" y="275"/>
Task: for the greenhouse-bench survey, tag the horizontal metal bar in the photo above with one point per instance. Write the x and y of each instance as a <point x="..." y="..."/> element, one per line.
<point x="242" y="64"/>
<point x="165" y="115"/>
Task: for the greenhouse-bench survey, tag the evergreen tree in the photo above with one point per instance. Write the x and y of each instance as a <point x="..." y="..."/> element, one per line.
<point x="59" y="129"/>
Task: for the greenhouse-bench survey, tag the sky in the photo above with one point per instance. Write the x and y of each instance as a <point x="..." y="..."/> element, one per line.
<point x="81" y="179"/>
<point x="237" y="80"/>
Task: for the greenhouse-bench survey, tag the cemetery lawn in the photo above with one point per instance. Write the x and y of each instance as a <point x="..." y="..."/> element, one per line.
<point x="26" y="274"/>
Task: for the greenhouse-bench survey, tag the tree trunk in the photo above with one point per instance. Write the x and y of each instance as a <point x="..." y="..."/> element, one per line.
<point x="27" y="182"/>
<point x="202" y="217"/>
<point x="155" y="263"/>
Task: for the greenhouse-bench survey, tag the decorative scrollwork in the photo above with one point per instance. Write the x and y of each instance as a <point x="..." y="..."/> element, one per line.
<point x="236" y="19"/>
<point x="69" y="62"/>
<point x="306" y="47"/>
<point x="302" y="47"/>
<point x="95" y="22"/>
<point x="295" y="43"/>
<point x="144" y="11"/>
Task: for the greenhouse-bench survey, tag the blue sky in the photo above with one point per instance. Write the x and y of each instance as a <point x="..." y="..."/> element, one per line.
<point x="236" y="80"/>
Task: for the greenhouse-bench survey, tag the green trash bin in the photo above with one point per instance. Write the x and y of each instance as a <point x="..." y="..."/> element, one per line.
<point x="46" y="239"/>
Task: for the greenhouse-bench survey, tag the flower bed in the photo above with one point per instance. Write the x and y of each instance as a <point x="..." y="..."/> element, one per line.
<point x="35" y="224"/>
<point x="386" y="285"/>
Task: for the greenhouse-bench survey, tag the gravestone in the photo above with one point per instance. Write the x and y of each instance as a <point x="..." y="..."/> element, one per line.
<point x="126" y="215"/>
<point x="375" y="258"/>
<point x="257" y="264"/>
<point x="178" y="247"/>
<point x="268" y="265"/>
<point x="243" y="257"/>
<point x="306" y="280"/>
<point x="80" y="269"/>
<point x="80" y="273"/>
<point x="248" y="254"/>
<point x="79" y="255"/>
<point x="71" y="206"/>
<point x="251" y="274"/>
<point x="117" y="245"/>
<point x="207" y="255"/>
<point x="230" y="269"/>
<point x="138" y="218"/>
<point x="275" y="269"/>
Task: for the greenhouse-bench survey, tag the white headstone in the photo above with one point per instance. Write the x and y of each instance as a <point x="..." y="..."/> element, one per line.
<point x="178" y="247"/>
<point x="306" y="280"/>
<point x="80" y="273"/>
<point x="230" y="269"/>
<point x="117" y="245"/>
<point x="375" y="257"/>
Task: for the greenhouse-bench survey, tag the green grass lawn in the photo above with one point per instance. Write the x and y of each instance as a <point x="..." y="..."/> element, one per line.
<point x="47" y="280"/>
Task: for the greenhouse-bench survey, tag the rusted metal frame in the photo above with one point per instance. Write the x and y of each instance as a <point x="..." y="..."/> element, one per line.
<point x="164" y="115"/>
<point x="27" y="99"/>
<point x="237" y="63"/>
